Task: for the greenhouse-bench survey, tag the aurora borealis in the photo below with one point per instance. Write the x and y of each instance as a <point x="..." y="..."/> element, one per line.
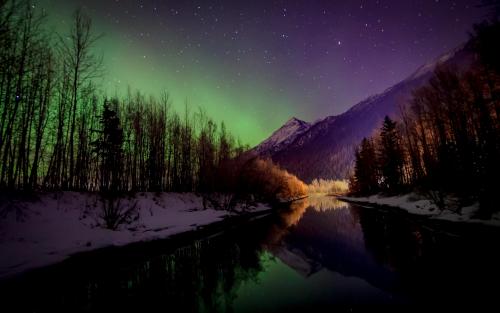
<point x="255" y="64"/>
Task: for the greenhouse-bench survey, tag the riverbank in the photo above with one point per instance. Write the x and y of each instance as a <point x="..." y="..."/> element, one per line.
<point x="50" y="227"/>
<point x="418" y="205"/>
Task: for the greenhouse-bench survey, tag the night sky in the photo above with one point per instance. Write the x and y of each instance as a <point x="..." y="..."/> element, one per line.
<point x="255" y="64"/>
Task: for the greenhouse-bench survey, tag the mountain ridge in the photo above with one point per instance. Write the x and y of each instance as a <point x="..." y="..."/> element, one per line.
<point x="282" y="136"/>
<point x="325" y="149"/>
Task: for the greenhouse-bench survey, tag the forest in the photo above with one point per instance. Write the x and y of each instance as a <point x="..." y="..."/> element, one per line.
<point x="58" y="131"/>
<point x="445" y="142"/>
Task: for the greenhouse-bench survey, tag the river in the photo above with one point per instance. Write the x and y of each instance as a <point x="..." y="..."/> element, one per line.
<point x="320" y="253"/>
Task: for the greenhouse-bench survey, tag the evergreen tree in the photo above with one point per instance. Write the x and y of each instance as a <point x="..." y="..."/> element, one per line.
<point x="390" y="156"/>
<point x="365" y="170"/>
<point x="109" y="150"/>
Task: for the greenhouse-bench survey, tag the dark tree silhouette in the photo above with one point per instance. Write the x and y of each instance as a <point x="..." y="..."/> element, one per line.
<point x="109" y="151"/>
<point x="390" y="156"/>
<point x="366" y="169"/>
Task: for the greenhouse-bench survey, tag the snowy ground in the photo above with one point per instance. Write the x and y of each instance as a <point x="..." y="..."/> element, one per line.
<point x="48" y="230"/>
<point x="415" y="204"/>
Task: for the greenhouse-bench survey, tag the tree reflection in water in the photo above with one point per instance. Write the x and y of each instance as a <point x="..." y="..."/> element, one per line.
<point x="199" y="277"/>
<point x="435" y="262"/>
<point x="332" y="251"/>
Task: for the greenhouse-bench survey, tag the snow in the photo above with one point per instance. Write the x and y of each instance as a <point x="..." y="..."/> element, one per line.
<point x="284" y="135"/>
<point x="418" y="205"/>
<point x="429" y="67"/>
<point x="50" y="229"/>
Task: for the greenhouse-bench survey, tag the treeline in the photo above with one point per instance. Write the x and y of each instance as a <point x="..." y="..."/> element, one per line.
<point x="143" y="145"/>
<point x="58" y="133"/>
<point x="447" y="139"/>
<point x="328" y="186"/>
<point x="263" y="177"/>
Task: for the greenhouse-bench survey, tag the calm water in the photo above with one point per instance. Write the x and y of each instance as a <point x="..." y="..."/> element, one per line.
<point x="321" y="253"/>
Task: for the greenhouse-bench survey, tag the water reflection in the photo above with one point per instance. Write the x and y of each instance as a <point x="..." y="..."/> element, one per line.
<point x="323" y="235"/>
<point x="318" y="203"/>
<point x="199" y="277"/>
<point x="320" y="252"/>
<point x="322" y="203"/>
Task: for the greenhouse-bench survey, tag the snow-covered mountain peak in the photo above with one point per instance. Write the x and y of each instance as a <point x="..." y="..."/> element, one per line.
<point x="293" y="120"/>
<point x="283" y="136"/>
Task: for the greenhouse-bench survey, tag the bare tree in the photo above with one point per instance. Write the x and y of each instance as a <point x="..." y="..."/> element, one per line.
<point x="84" y="65"/>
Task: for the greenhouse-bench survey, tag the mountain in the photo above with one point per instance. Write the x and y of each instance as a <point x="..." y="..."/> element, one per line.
<point x="282" y="137"/>
<point x="325" y="149"/>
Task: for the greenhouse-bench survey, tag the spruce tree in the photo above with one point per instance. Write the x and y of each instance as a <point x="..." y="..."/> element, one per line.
<point x="390" y="156"/>
<point x="365" y="170"/>
<point x="109" y="150"/>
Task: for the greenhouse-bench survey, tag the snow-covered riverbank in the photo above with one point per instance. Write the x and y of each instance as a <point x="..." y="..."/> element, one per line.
<point x="415" y="204"/>
<point x="50" y="228"/>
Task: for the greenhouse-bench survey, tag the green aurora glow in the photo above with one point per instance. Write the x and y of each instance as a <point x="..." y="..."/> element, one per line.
<point x="202" y="84"/>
